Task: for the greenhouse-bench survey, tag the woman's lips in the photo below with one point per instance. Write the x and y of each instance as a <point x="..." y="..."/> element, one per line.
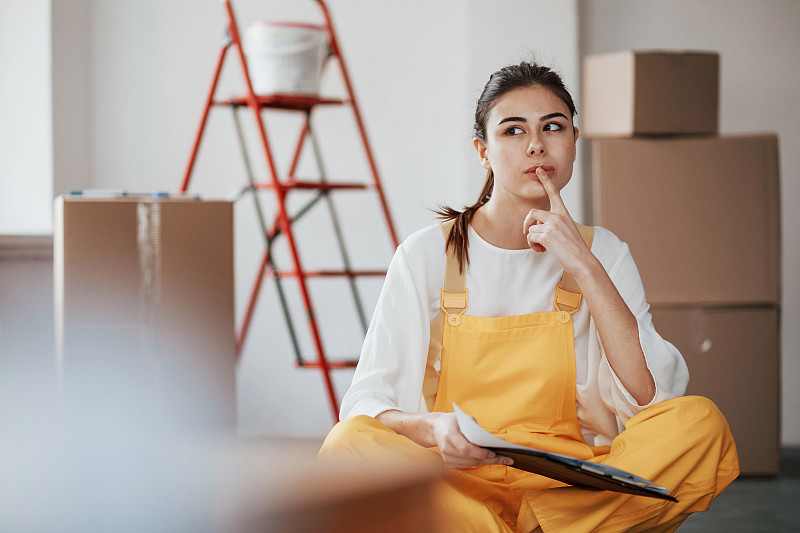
<point x="532" y="171"/>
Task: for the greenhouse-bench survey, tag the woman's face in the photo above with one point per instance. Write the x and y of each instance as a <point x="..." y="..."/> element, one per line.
<point x="527" y="128"/>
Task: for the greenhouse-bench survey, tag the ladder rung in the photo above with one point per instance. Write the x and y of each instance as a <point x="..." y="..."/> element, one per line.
<point x="282" y="101"/>
<point x="329" y="364"/>
<point x="328" y="273"/>
<point x="317" y="185"/>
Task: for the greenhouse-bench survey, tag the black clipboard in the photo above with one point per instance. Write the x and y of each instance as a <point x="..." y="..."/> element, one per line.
<point x="569" y="470"/>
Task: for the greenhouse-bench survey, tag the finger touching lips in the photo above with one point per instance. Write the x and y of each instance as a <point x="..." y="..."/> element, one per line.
<point x="536" y="170"/>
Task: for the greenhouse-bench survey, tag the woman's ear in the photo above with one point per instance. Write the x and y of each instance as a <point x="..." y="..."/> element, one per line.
<point x="480" y="147"/>
<point x="575" y="144"/>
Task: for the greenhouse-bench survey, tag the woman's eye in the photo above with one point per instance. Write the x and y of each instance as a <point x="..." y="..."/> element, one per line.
<point x="514" y="130"/>
<point x="553" y="126"/>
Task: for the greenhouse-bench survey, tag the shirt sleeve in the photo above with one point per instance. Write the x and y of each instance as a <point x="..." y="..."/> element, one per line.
<point x="391" y="366"/>
<point x="666" y="364"/>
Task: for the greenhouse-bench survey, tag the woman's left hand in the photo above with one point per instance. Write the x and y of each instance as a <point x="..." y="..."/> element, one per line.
<point x="554" y="230"/>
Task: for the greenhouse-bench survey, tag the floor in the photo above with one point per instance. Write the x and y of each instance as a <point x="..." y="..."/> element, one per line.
<point x="755" y="504"/>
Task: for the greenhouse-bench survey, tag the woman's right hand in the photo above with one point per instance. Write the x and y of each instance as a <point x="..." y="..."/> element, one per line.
<point x="456" y="450"/>
<point x="441" y="429"/>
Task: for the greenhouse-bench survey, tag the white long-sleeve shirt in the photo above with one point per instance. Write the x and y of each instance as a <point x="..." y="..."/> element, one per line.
<point x="503" y="283"/>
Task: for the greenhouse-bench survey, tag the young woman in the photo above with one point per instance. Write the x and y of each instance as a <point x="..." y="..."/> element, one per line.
<point x="539" y="328"/>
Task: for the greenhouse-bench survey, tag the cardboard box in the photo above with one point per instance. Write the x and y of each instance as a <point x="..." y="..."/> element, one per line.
<point x="700" y="215"/>
<point x="733" y="356"/>
<point x="650" y="93"/>
<point x="145" y="307"/>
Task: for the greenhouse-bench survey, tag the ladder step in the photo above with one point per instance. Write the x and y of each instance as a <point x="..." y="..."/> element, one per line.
<point x="329" y="364"/>
<point x="293" y="102"/>
<point x="327" y="273"/>
<point x="316" y="185"/>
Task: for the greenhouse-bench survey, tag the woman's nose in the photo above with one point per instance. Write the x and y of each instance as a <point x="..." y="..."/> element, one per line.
<point x="536" y="147"/>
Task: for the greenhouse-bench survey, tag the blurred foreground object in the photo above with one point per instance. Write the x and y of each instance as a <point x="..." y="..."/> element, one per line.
<point x="266" y="488"/>
<point x="97" y="472"/>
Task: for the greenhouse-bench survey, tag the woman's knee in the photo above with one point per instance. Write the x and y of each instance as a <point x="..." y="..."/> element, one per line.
<point x="346" y="435"/>
<point x="700" y="418"/>
<point x="704" y="412"/>
<point x="365" y="439"/>
<point x="695" y="417"/>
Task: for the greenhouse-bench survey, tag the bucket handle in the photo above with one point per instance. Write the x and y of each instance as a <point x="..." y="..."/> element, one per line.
<point x="286" y="51"/>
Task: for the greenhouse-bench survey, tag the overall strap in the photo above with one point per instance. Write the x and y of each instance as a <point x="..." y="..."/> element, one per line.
<point x="568" y="292"/>
<point x="453" y="305"/>
<point x="454" y="293"/>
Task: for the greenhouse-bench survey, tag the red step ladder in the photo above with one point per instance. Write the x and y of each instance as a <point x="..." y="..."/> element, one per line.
<point x="281" y="226"/>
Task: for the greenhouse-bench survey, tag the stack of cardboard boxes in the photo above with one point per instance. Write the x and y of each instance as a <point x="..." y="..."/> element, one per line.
<point x="700" y="212"/>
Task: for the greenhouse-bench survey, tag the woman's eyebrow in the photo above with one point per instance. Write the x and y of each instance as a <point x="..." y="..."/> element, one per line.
<point x="541" y="119"/>
<point x="512" y="119"/>
<point x="552" y="115"/>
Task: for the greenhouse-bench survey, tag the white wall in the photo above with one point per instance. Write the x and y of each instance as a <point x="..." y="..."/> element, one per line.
<point x="758" y="43"/>
<point x="515" y="30"/>
<point x="26" y="155"/>
<point x="417" y="68"/>
<point x="143" y="69"/>
<point x="72" y="109"/>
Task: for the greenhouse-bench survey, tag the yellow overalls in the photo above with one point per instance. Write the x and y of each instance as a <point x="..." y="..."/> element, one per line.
<point x="516" y="376"/>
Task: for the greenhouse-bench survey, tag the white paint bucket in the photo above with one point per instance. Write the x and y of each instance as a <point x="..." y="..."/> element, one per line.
<point x="285" y="57"/>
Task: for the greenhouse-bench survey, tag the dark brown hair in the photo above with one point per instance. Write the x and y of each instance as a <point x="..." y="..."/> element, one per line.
<point x="505" y="80"/>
